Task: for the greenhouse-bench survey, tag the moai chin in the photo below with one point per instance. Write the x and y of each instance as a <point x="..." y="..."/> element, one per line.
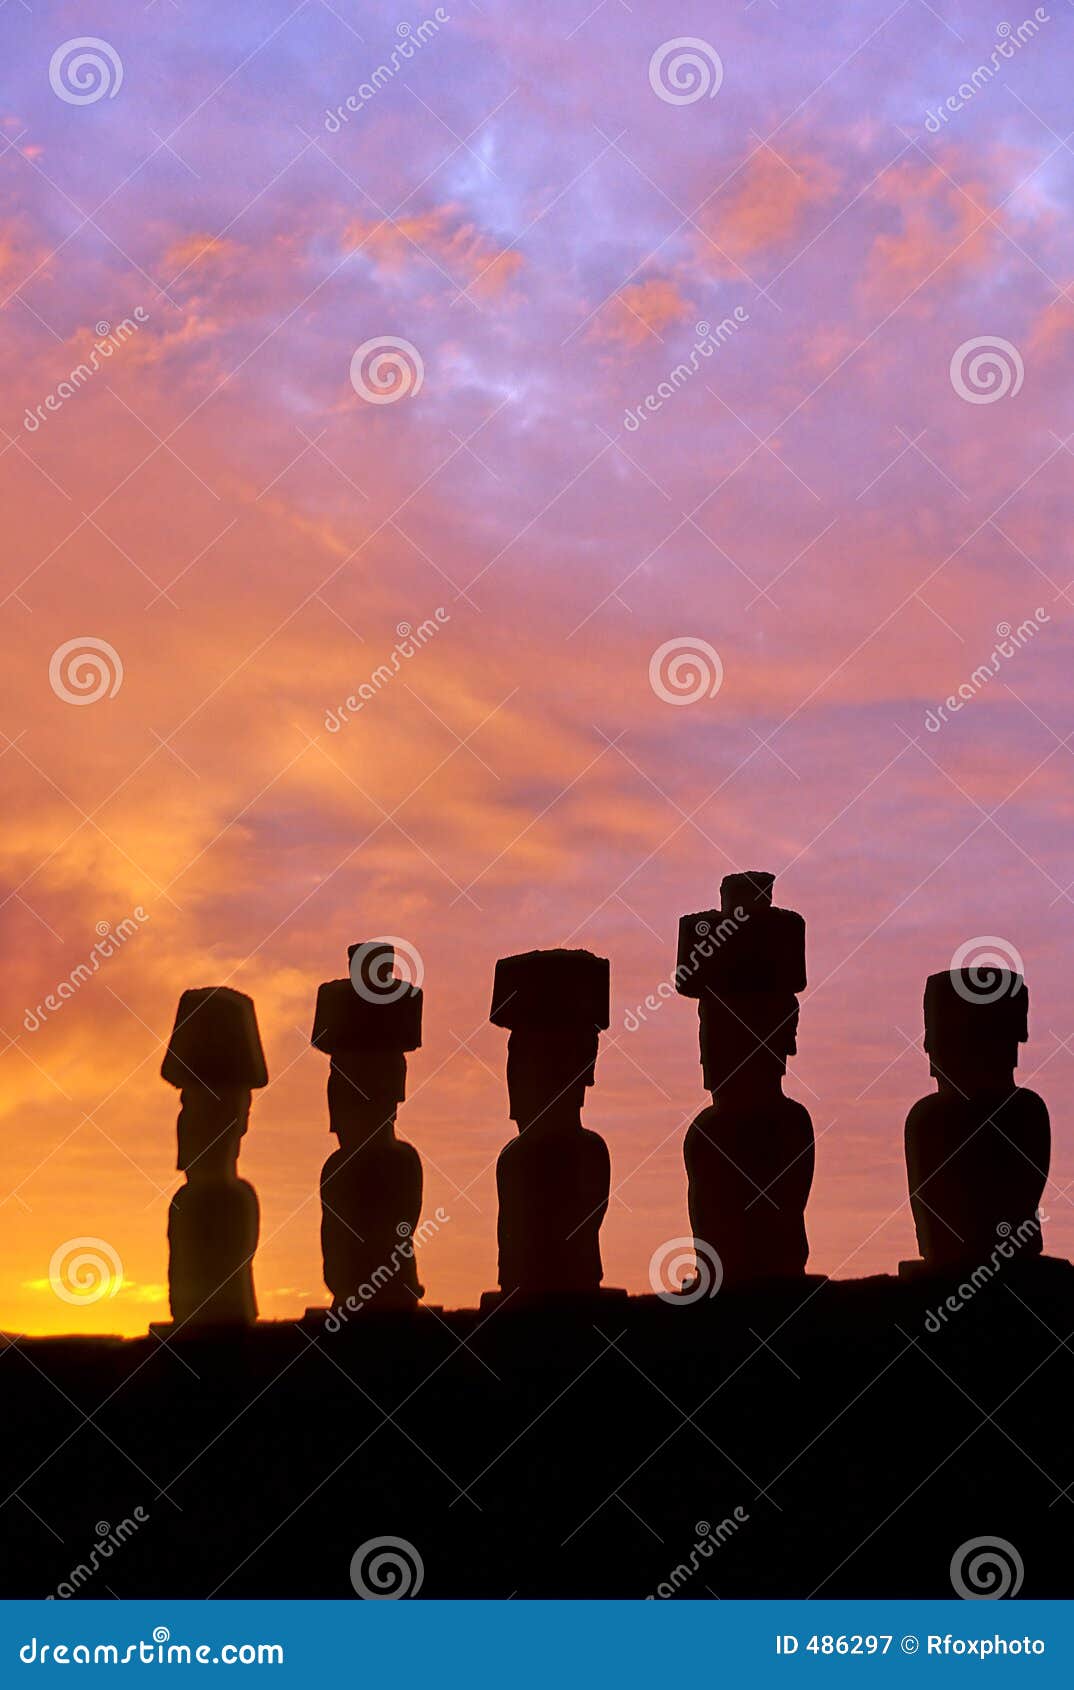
<point x="749" y="1155"/>
<point x="978" y="1148"/>
<point x="215" y="1060"/>
<point x="553" y="1180"/>
<point x="371" y="1186"/>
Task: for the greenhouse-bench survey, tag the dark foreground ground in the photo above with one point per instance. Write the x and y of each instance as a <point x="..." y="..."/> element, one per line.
<point x="578" y="1454"/>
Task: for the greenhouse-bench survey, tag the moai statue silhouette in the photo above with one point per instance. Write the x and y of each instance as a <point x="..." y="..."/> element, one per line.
<point x="553" y="1180"/>
<point x="978" y="1148"/>
<point x="371" y="1187"/>
<point x="214" y="1058"/>
<point x="749" y="1156"/>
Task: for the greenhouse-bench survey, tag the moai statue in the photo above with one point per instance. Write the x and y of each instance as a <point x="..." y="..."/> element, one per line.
<point x="553" y="1180"/>
<point x="371" y="1187"/>
<point x="214" y="1058"/>
<point x="749" y="1156"/>
<point x="978" y="1148"/>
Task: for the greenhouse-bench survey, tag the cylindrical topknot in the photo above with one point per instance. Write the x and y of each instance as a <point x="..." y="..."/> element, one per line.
<point x="215" y="1041"/>
<point x="748" y="945"/>
<point x="750" y="890"/>
<point x="343" y="1021"/>
<point x="374" y="1009"/>
<point x="551" y="988"/>
<point x="975" y="1007"/>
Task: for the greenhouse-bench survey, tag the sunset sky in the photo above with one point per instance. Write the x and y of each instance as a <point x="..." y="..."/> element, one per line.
<point x="830" y="501"/>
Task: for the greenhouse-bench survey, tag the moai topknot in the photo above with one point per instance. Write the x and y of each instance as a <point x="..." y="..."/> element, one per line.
<point x="749" y="1157"/>
<point x="553" y="1180"/>
<point x="978" y="1148"/>
<point x="214" y="1058"/>
<point x="371" y="1187"/>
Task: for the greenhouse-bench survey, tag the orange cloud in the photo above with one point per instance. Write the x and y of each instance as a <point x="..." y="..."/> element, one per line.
<point x="198" y="249"/>
<point x="440" y="236"/>
<point x="933" y="224"/>
<point x="20" y="251"/>
<point x="640" y="312"/>
<point x="765" y="204"/>
<point x="1051" y="328"/>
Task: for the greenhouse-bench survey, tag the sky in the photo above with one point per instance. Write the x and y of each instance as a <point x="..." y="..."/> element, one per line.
<point x="613" y="632"/>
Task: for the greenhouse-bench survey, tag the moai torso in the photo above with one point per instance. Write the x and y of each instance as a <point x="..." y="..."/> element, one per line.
<point x="371" y="1186"/>
<point x="749" y="1156"/>
<point x="553" y="1195"/>
<point x="978" y="1148"/>
<point x="215" y="1057"/>
<point x="553" y="1180"/>
<point x="749" y="1164"/>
